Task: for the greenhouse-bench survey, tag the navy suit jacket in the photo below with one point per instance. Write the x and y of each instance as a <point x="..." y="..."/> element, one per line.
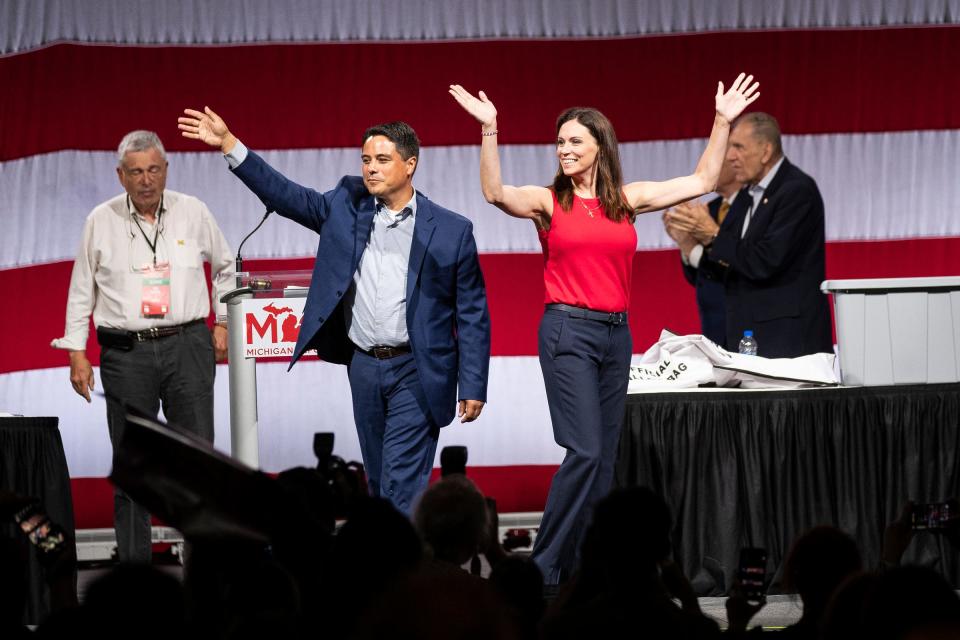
<point x="710" y="294"/>
<point x="773" y="274"/>
<point x="447" y="317"/>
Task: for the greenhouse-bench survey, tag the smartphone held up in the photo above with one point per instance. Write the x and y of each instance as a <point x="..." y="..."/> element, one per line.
<point x="752" y="574"/>
<point x="933" y="516"/>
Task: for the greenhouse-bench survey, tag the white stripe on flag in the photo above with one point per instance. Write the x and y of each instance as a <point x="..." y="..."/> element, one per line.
<point x="877" y="186"/>
<point x="211" y="22"/>
<point x="514" y="428"/>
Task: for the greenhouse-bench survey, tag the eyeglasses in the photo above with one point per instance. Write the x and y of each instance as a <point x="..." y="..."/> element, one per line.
<point x="136" y="173"/>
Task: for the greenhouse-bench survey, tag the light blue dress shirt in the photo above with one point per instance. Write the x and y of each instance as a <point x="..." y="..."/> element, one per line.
<point x="376" y="304"/>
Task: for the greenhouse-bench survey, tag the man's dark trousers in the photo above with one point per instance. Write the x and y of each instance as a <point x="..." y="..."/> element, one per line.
<point x="394" y="425"/>
<point x="176" y="371"/>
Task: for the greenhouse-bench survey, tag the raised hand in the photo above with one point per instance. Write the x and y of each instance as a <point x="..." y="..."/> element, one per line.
<point x="207" y="127"/>
<point x="481" y="109"/>
<point x="741" y="94"/>
<point x="740" y="610"/>
<point x="679" y="586"/>
<point x="897" y="536"/>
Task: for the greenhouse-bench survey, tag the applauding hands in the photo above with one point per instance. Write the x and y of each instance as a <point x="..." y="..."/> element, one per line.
<point x="693" y="219"/>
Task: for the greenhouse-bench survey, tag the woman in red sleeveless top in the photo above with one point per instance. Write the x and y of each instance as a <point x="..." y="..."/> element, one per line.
<point x="585" y="224"/>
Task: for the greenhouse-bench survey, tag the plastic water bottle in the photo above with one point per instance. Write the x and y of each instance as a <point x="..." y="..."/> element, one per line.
<point x="748" y="344"/>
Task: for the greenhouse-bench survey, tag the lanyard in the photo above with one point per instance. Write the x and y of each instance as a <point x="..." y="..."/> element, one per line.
<point x="156" y="233"/>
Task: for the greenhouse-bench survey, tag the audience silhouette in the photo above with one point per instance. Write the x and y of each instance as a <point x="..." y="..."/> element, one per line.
<point x="338" y="563"/>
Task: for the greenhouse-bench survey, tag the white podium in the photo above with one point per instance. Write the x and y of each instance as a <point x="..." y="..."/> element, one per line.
<point x="263" y="317"/>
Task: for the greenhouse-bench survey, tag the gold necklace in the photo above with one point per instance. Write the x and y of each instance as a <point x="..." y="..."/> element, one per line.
<point x="588" y="209"/>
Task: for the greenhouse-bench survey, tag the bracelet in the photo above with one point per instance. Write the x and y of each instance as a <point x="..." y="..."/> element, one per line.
<point x="489" y="133"/>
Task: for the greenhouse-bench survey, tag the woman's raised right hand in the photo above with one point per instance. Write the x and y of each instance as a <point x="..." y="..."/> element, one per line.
<point x="480" y="108"/>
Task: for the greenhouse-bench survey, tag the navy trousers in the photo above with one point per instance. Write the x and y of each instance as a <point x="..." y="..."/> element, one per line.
<point x="398" y="438"/>
<point x="177" y="371"/>
<point x="586" y="364"/>
<point x="711" y="301"/>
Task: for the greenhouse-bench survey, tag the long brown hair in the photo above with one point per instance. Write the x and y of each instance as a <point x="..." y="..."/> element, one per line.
<point x="609" y="184"/>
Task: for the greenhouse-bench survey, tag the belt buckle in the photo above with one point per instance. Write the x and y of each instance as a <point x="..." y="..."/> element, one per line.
<point x="380" y="352"/>
<point x="616" y="317"/>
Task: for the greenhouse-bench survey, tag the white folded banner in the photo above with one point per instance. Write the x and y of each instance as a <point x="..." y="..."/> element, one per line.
<point x="679" y="362"/>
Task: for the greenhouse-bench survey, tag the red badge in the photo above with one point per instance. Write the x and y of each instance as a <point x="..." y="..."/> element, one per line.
<point x="155" y="298"/>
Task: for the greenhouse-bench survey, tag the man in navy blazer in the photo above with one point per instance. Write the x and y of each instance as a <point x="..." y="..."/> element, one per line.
<point x="707" y="282"/>
<point x="771" y="253"/>
<point x="396" y="294"/>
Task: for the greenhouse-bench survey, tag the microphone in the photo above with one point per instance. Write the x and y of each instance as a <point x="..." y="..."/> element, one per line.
<point x="239" y="259"/>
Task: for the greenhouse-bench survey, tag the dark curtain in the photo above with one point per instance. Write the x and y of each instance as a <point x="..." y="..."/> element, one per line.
<point x="759" y="468"/>
<point x="32" y="463"/>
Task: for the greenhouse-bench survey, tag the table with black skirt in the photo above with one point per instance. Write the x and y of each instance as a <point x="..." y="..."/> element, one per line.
<point x="758" y="468"/>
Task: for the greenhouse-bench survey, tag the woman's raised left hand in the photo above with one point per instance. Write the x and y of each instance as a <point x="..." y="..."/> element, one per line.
<point x="741" y="94"/>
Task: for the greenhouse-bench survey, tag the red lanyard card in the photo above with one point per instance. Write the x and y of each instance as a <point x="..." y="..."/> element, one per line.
<point x="155" y="298"/>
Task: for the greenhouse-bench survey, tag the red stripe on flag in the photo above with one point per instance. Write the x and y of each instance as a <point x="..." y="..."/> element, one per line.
<point x="661" y="297"/>
<point x="325" y="95"/>
<point x="517" y="489"/>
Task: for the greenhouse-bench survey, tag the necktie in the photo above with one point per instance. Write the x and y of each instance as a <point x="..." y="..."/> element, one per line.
<point x="724" y="210"/>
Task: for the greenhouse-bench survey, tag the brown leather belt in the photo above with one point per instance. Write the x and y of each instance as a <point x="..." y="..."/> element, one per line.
<point x="384" y="353"/>
<point x="163" y="332"/>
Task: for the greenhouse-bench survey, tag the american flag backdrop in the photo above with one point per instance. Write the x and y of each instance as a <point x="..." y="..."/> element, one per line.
<point x="866" y="92"/>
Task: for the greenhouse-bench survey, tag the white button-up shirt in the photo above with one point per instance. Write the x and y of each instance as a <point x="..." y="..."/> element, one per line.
<point x="756" y="192"/>
<point x="107" y="278"/>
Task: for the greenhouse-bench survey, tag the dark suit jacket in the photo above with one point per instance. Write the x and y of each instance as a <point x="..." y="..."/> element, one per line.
<point x="447" y="317"/>
<point x="773" y="274"/>
<point x="710" y="294"/>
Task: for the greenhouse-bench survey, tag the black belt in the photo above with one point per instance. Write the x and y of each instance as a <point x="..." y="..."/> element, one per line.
<point x="163" y="332"/>
<point x="610" y="317"/>
<point x="383" y="352"/>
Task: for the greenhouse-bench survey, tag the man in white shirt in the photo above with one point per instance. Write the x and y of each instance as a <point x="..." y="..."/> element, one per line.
<point x="139" y="273"/>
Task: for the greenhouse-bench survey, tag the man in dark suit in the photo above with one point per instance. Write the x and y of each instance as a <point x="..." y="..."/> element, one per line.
<point x="771" y="249"/>
<point x="396" y="295"/>
<point x="707" y="282"/>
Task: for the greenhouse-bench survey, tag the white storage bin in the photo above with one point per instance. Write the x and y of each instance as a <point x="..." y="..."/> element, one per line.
<point x="897" y="330"/>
